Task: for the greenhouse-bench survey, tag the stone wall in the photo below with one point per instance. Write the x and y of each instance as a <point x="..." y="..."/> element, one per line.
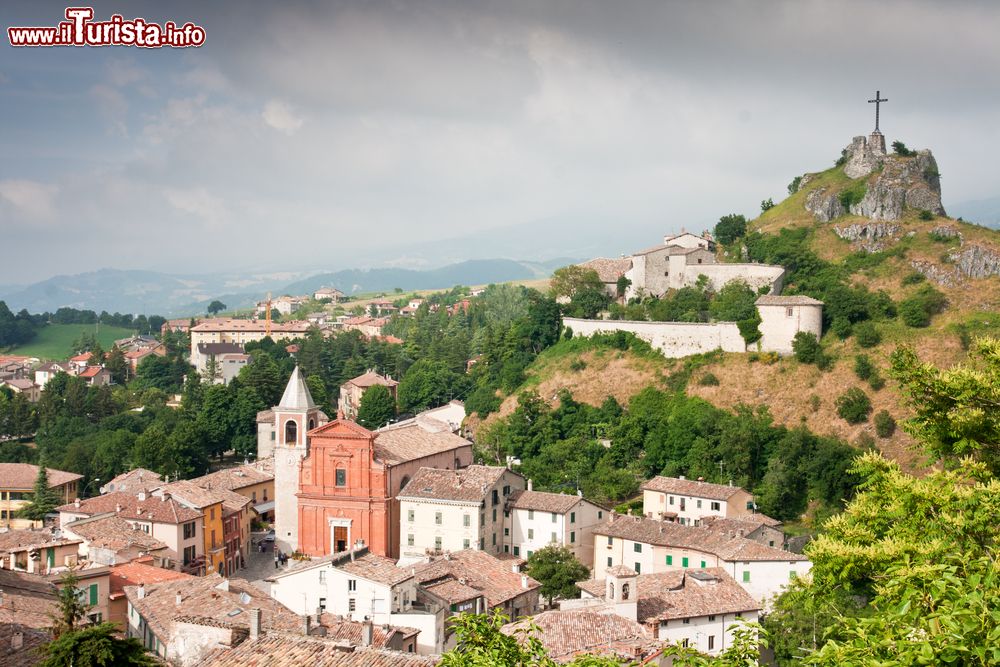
<point x="780" y="323"/>
<point x="754" y="275"/>
<point x="673" y="339"/>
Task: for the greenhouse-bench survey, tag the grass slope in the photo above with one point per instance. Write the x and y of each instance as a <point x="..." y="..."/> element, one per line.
<point x="54" y="342"/>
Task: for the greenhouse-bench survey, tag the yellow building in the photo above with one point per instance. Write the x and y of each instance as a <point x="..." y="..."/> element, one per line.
<point x="209" y="503"/>
<point x="16" y="483"/>
<point x="252" y="480"/>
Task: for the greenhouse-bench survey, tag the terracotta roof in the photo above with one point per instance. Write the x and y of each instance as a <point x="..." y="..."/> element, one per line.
<point x="157" y="510"/>
<point x="791" y="300"/>
<point x="609" y="270"/>
<point x="28" y="604"/>
<point x="621" y="571"/>
<point x="232" y="479"/>
<point x="134" y="481"/>
<point x="699" y="538"/>
<point x="21" y="476"/>
<point x="265" y="417"/>
<point x="467" y="484"/>
<point x="493" y="578"/>
<point x="256" y="326"/>
<point x="114" y="533"/>
<point x="339" y="629"/>
<point x="190" y="493"/>
<point x="690" y="487"/>
<point x="209" y="597"/>
<point x="370" y="379"/>
<point x="82" y="357"/>
<point x="21" y="384"/>
<point x="93" y="371"/>
<point x="747" y="524"/>
<point x="375" y="568"/>
<point x="281" y="650"/>
<point x="53" y="367"/>
<point x="566" y="634"/>
<point x="140" y="572"/>
<point x="20" y="540"/>
<point x="399" y="443"/>
<point x="541" y="501"/>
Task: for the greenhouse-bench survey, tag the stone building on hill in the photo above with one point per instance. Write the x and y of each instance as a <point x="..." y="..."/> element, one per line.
<point x="352" y="391"/>
<point x="17" y="481"/>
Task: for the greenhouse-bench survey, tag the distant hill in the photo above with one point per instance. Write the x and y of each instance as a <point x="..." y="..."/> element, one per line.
<point x="981" y="211"/>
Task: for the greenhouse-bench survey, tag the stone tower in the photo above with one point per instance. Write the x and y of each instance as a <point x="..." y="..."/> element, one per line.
<point x="294" y="417"/>
<point x="621" y="591"/>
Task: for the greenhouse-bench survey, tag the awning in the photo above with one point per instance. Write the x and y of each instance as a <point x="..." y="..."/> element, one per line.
<point x="264" y="507"/>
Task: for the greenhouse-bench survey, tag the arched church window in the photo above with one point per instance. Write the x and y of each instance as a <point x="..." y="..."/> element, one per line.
<point x="312" y="424"/>
<point x="291" y="432"/>
<point x="403" y="482"/>
<point x="611" y="591"/>
<point x="624" y="591"/>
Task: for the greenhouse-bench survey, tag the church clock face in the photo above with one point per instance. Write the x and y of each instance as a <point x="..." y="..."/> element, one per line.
<point x="291" y="460"/>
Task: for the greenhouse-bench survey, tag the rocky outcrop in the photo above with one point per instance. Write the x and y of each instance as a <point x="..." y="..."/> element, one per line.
<point x="975" y="261"/>
<point x="869" y="236"/>
<point x="946" y="232"/>
<point x="895" y="183"/>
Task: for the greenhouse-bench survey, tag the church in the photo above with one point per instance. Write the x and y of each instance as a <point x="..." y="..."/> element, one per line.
<point x="336" y="482"/>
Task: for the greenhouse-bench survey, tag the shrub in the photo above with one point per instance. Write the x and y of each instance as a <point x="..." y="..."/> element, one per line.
<point x="568" y="333"/>
<point x="793" y="187"/>
<point x="876" y="382"/>
<point x="867" y="334"/>
<point x="937" y="236"/>
<point x="854" y="193"/>
<point x="841" y="327"/>
<point x="842" y="160"/>
<point x="730" y="228"/>
<point x="885" y="425"/>
<point x="814" y="402"/>
<point x="917" y="310"/>
<point x="925" y="214"/>
<point x="863" y="367"/>
<point x="806" y="347"/>
<point x="913" y="278"/>
<point x="854" y="406"/>
<point x="864" y="442"/>
<point x="900" y="149"/>
<point x="766" y="205"/>
<point x="824" y="362"/>
<point x="930" y="173"/>
<point x="577" y="365"/>
<point x="708" y="380"/>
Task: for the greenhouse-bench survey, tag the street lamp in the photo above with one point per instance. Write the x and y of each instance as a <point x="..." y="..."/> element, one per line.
<point x="87" y="485"/>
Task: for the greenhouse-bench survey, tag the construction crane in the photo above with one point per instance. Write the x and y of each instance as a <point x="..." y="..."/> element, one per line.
<point x="267" y="317"/>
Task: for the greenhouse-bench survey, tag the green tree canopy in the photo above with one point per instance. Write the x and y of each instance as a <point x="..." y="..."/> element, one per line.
<point x="558" y="570"/>
<point x="95" y="646"/>
<point x="730" y="227"/>
<point x="44" y="499"/>
<point x="428" y="384"/>
<point x="215" y="307"/>
<point x="377" y="407"/>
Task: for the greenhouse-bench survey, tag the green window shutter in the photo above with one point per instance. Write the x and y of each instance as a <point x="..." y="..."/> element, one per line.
<point x="50" y="556"/>
<point x="684" y="561"/>
<point x="703" y="564"/>
<point x="746" y="576"/>
<point x="93" y="594"/>
<point x="670" y="560"/>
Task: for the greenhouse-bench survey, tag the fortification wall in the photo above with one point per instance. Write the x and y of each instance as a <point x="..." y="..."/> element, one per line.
<point x="754" y="275"/>
<point x="674" y="339"/>
<point x="779" y="324"/>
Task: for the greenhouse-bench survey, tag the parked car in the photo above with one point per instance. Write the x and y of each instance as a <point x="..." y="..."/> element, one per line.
<point x="270" y="536"/>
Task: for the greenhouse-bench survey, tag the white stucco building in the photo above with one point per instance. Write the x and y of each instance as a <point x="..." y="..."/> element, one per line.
<point x="687" y="501"/>
<point x="535" y="519"/>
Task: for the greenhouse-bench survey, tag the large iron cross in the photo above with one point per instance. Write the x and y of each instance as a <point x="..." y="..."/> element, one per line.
<point x="878" y="100"/>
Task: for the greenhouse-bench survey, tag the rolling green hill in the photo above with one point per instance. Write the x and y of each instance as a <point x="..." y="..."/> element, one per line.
<point x="54" y="341"/>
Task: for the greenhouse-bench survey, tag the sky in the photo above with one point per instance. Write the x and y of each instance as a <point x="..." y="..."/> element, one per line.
<point x="328" y="135"/>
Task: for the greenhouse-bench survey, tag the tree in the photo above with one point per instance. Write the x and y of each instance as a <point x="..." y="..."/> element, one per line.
<point x="429" y="384"/>
<point x="558" y="570"/>
<point x="729" y="228"/>
<point x="569" y="280"/>
<point x="766" y="205"/>
<point x="44" y="499"/>
<point x="95" y="646"/>
<point x="377" y="407"/>
<point x="854" y="406"/>
<point x="117" y="365"/>
<point x="317" y="389"/>
<point x="806" y="347"/>
<point x="956" y="410"/>
<point x="71" y="607"/>
<point x="866" y="334"/>
<point x="885" y="425"/>
<point x="215" y="307"/>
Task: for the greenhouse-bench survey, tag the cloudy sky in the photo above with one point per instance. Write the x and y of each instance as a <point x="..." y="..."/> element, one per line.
<point x="334" y="135"/>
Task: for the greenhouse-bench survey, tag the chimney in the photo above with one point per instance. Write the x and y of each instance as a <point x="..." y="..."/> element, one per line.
<point x="76" y="502"/>
<point x="306" y="625"/>
<point x="17" y="641"/>
<point x="579" y="493"/>
<point x="141" y="592"/>
<point x="255" y="624"/>
<point x="730" y="482"/>
<point x="701" y="479"/>
<point x="531" y="485"/>
<point x="141" y="496"/>
<point x="118" y="508"/>
<point x="524" y="581"/>
<point x="319" y="615"/>
<point x="366" y="633"/>
<point x="681" y="477"/>
<point x="513" y="567"/>
<point x="164" y="497"/>
<point x="178" y="599"/>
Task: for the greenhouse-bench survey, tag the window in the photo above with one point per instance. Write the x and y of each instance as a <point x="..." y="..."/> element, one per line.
<point x="466" y="520"/>
<point x="92" y="589"/>
<point x="670" y="560"/>
<point x="322" y="604"/>
<point x="638" y="568"/>
<point x="322" y="576"/>
<point x="698" y="503"/>
<point x="352" y="585"/>
<point x="531" y="514"/>
<point x="686" y="621"/>
<point x="482" y="543"/>
<point x="572" y="517"/>
<point x="552" y="538"/>
<point x="506" y="532"/>
<point x="531" y="533"/>
<point x="684" y="561"/>
<point x="600" y="514"/>
<point x="253" y="496"/>
<point x="528" y="553"/>
<point x="494" y="515"/>
<point x="213" y="538"/>
<point x="465" y="544"/>
<point x="609" y="561"/>
<point x="716" y="506"/>
<point x="770" y="543"/>
<point x="711" y="618"/>
<point x="789" y="312"/>
<point x="437" y="543"/>
<point x="494" y="539"/>
<point x="746" y="576"/>
<point x="703" y="565"/>
<point x="211" y="514"/>
<point x="506" y="490"/>
<point x="554" y="515"/>
<point x="506" y="548"/>
<point x="437" y="518"/>
<point x="351" y="605"/>
<point x="624" y="591"/>
<point x="496" y="498"/>
<point x="291" y="432"/>
<point x="637" y="548"/>
<point x="611" y="540"/>
<point x="793" y="575"/>
<point x="189" y="530"/>
<point x="189" y="555"/>
<point x="341" y="479"/>
<point x="671" y="500"/>
<point x="517" y="551"/>
<point x="409" y="540"/>
<point x="685" y="641"/>
<point x="572" y="537"/>
<point x="711" y="642"/>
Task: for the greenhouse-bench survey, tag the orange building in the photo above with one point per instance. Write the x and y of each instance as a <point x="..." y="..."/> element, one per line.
<point x="351" y="477"/>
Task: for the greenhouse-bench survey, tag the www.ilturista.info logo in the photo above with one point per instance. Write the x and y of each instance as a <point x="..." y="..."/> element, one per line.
<point x="80" y="30"/>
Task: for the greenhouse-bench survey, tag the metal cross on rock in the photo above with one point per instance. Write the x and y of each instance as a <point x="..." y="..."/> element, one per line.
<point x="877" y="101"/>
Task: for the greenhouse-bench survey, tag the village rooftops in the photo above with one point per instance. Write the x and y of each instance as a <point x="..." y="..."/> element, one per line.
<point x="27" y="607"/>
<point x="287" y="650"/>
<point x="233" y="479"/>
<point x="699" y="538"/>
<point x="690" y="487"/>
<point x="138" y="572"/>
<point x="361" y="563"/>
<point x="21" y="384"/>
<point x="110" y="531"/>
<point x="28" y="539"/>
<point x="566" y="634"/>
<point x="370" y="379"/>
<point x="471" y="569"/>
<point x="22" y="476"/>
<point x="93" y="371"/>
<point x="677" y="594"/>
<point x="790" y="300"/>
<point x="80" y="358"/>
<point x="542" y="501"/>
<point x="466" y="485"/>
<point x="207" y="599"/>
<point x="352" y="632"/>
<point x="609" y="270"/>
<point x="406" y="442"/>
<point x="131" y="507"/>
<point x="224" y="324"/>
<point x="747" y="523"/>
<point x="134" y="481"/>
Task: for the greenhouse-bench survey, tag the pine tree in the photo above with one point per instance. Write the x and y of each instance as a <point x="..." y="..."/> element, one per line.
<point x="377" y="407"/>
<point x="117" y="365"/>
<point x="44" y="498"/>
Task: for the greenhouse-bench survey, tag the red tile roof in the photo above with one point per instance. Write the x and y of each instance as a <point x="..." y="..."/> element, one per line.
<point x="281" y="650"/>
<point x="370" y="379"/>
<point x="157" y="510"/>
<point x="566" y="634"/>
<point x="494" y="579"/>
<point x="466" y="484"/>
<point x="540" y="501"/>
<point x="21" y="476"/>
<point x="409" y="442"/>
<point x="140" y="572"/>
<point x="690" y="487"/>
